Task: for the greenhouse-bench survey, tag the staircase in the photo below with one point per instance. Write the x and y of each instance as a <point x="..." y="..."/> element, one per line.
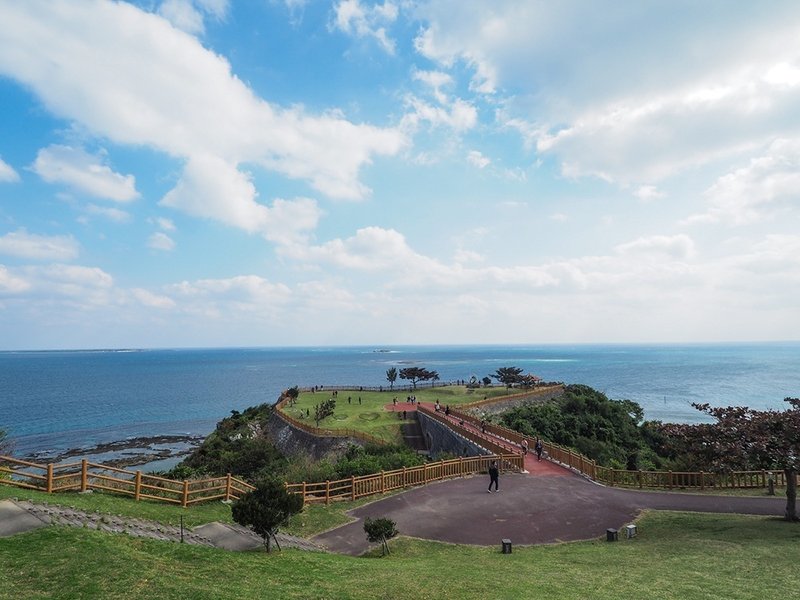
<point x="412" y="434"/>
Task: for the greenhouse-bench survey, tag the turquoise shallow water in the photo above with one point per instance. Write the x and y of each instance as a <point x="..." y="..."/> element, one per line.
<point x="59" y="400"/>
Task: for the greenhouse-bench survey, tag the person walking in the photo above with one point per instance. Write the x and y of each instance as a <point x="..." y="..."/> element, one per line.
<point x="524" y="446"/>
<point x="494" y="474"/>
<point x="538" y="447"/>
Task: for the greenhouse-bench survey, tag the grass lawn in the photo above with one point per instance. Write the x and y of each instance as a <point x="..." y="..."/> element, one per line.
<point x="313" y="520"/>
<point x="371" y="417"/>
<point x="676" y="555"/>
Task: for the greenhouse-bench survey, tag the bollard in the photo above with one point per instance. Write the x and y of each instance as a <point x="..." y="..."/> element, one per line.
<point x="612" y="535"/>
<point x="771" y="485"/>
<point x="630" y="531"/>
<point x="506" y="546"/>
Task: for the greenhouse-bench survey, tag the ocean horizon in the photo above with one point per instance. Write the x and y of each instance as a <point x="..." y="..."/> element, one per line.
<point x="53" y="400"/>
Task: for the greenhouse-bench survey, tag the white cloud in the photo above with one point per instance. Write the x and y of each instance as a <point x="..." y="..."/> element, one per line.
<point x="7" y="173"/>
<point x="679" y="246"/>
<point x="84" y="172"/>
<point x="188" y="15"/>
<point x="161" y="241"/>
<point x="22" y="244"/>
<point x="648" y="193"/>
<point x="11" y="284"/>
<point x="353" y="18"/>
<point x="149" y="299"/>
<point x="748" y="194"/>
<point x="637" y="93"/>
<point x="109" y="212"/>
<point x="165" y="224"/>
<point x="130" y="77"/>
<point x="477" y="159"/>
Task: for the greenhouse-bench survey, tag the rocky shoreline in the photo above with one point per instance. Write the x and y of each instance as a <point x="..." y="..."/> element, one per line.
<point x="129" y="452"/>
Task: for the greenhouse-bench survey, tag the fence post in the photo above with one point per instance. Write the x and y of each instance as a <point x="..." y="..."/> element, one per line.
<point x="405" y="477"/>
<point x="49" y="484"/>
<point x="670" y="480"/>
<point x="84" y="475"/>
<point x="327" y="492"/>
<point x="702" y="480"/>
<point x="441" y="469"/>
<point x="137" y="485"/>
<point x="304" y="494"/>
<point x="383" y="483"/>
<point x="425" y="473"/>
<point x="352" y="487"/>
<point x="185" y="495"/>
<point x="228" y="485"/>
<point x="611" y="479"/>
<point x="460" y="466"/>
<point x="594" y="470"/>
<point x="639" y="477"/>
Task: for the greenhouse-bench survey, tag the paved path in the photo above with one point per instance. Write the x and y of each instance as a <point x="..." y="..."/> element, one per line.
<point x="547" y="504"/>
<point x="529" y="509"/>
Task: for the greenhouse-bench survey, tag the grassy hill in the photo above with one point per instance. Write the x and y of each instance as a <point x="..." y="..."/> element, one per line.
<point x="676" y="555"/>
<point x="371" y="417"/>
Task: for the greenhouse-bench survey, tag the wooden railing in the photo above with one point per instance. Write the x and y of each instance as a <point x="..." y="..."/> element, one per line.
<point x="297" y="423"/>
<point x="84" y="475"/>
<point x="576" y="461"/>
<point x="353" y="488"/>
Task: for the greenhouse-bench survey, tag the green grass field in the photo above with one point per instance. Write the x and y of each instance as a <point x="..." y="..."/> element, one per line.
<point x="676" y="555"/>
<point x="371" y="416"/>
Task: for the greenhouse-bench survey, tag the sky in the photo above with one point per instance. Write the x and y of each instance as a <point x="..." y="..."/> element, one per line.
<point x="194" y="173"/>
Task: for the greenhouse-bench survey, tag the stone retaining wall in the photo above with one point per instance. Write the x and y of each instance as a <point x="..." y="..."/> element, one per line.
<point x="440" y="438"/>
<point x="292" y="441"/>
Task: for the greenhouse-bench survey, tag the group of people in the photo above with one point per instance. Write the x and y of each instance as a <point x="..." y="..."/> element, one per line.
<point x="538" y="447"/>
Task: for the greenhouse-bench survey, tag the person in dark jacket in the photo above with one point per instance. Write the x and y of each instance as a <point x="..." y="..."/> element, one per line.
<point x="538" y="447"/>
<point x="494" y="473"/>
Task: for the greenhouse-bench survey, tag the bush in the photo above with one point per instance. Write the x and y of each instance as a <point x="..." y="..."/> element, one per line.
<point x="380" y="530"/>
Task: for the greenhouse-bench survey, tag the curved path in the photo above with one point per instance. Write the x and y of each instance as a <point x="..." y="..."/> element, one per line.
<point x="529" y="509"/>
<point x="546" y="505"/>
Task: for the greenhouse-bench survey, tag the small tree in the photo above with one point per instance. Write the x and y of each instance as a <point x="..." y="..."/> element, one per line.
<point x="391" y="377"/>
<point x="325" y="409"/>
<point x="380" y="530"/>
<point x="415" y="374"/>
<point x="266" y="508"/>
<point x="508" y="375"/>
<point x="486" y="381"/>
<point x="293" y="393"/>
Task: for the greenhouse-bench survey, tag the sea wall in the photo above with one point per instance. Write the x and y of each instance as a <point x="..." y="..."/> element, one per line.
<point x="293" y="441"/>
<point x="440" y="438"/>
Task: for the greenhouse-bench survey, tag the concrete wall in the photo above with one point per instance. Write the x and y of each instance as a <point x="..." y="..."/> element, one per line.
<point x="440" y="439"/>
<point x="292" y="441"/>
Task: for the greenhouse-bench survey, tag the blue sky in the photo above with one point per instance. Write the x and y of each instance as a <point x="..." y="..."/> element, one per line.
<point x="265" y="172"/>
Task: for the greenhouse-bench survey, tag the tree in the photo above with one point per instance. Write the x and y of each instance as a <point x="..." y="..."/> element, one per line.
<point x="324" y="409"/>
<point x="746" y="439"/>
<point x="391" y="376"/>
<point x="266" y="508"/>
<point x="380" y="530"/>
<point x="293" y="393"/>
<point x="508" y="375"/>
<point x="486" y="381"/>
<point x="415" y="374"/>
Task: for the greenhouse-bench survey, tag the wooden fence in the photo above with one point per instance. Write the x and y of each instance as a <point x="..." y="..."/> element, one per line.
<point x="84" y="475"/>
<point x="353" y="488"/>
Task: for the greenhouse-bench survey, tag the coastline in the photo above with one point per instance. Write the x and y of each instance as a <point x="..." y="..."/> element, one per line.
<point x="131" y="452"/>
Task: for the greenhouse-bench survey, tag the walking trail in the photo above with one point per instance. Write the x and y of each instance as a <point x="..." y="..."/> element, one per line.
<point x="548" y="504"/>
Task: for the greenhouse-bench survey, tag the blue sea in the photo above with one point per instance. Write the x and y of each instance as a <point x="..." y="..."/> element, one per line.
<point x="55" y="400"/>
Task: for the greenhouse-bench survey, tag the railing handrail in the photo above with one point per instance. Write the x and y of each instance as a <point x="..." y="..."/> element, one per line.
<point x="90" y="475"/>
